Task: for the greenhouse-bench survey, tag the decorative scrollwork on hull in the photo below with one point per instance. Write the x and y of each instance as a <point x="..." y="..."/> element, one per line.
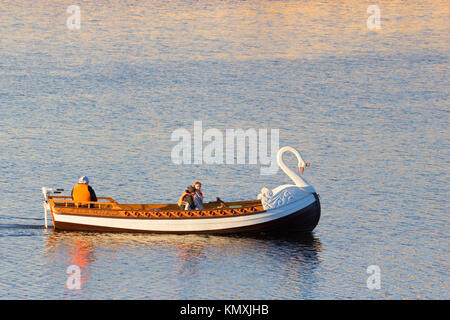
<point x="281" y="198"/>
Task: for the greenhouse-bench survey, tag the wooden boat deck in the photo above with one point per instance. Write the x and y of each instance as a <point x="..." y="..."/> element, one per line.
<point x="108" y="207"/>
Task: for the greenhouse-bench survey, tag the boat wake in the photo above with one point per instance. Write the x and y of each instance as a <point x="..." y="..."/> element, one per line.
<point x="20" y="226"/>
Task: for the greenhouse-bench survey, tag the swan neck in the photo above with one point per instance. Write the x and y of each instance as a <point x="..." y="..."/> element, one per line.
<point x="299" y="181"/>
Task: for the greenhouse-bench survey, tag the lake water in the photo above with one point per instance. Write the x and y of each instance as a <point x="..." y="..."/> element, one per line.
<point x="368" y="108"/>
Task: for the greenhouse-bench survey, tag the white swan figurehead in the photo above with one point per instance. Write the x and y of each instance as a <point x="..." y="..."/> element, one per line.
<point x="285" y="194"/>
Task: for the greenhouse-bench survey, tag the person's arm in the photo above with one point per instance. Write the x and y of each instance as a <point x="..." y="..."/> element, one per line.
<point x="190" y="200"/>
<point x="71" y="194"/>
<point x="93" y="195"/>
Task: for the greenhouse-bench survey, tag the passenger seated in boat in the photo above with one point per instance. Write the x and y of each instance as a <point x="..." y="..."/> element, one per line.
<point x="83" y="191"/>
<point x="186" y="200"/>
<point x="198" y="195"/>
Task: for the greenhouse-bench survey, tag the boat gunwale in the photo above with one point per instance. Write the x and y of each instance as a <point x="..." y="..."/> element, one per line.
<point x="183" y="214"/>
<point x="161" y="218"/>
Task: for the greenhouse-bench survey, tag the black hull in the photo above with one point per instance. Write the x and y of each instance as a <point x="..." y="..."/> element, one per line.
<point x="302" y="221"/>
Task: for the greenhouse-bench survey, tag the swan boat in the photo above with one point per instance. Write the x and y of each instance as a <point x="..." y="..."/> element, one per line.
<point x="287" y="208"/>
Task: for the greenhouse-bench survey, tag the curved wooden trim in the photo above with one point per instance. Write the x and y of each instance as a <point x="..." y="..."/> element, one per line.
<point x="159" y="214"/>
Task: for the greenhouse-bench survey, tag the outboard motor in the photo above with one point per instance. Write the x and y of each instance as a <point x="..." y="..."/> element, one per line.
<point x="47" y="192"/>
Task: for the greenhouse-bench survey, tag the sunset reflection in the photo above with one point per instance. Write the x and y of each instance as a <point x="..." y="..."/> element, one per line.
<point x="76" y="249"/>
<point x="253" y="30"/>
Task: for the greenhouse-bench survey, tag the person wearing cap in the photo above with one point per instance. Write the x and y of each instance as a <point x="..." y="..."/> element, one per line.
<point x="198" y="195"/>
<point x="83" y="191"/>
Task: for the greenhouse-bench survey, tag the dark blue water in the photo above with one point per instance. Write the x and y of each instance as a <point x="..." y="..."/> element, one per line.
<point x="368" y="109"/>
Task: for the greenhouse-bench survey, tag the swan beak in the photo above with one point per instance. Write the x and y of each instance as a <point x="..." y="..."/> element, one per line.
<point x="301" y="169"/>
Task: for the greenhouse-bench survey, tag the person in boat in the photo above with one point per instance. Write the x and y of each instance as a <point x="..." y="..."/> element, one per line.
<point x="198" y="195"/>
<point x="186" y="200"/>
<point x="82" y="191"/>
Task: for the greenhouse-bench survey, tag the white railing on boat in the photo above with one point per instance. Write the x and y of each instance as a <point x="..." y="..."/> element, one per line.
<point x="51" y="199"/>
<point x="66" y="201"/>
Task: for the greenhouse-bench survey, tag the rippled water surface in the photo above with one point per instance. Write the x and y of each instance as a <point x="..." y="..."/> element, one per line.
<point x="369" y="110"/>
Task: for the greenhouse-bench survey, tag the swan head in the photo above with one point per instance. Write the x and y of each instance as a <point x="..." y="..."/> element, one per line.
<point x="301" y="163"/>
<point x="302" y="166"/>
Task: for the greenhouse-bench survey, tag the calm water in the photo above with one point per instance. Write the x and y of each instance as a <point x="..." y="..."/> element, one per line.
<point x="369" y="110"/>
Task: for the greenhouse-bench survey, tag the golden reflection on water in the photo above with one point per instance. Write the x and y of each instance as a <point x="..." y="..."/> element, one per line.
<point x="76" y="249"/>
<point x="82" y="245"/>
<point x="182" y="255"/>
<point x="222" y="29"/>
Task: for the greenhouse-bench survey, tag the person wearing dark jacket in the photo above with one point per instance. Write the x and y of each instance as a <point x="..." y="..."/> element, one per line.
<point x="186" y="200"/>
<point x="83" y="191"/>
